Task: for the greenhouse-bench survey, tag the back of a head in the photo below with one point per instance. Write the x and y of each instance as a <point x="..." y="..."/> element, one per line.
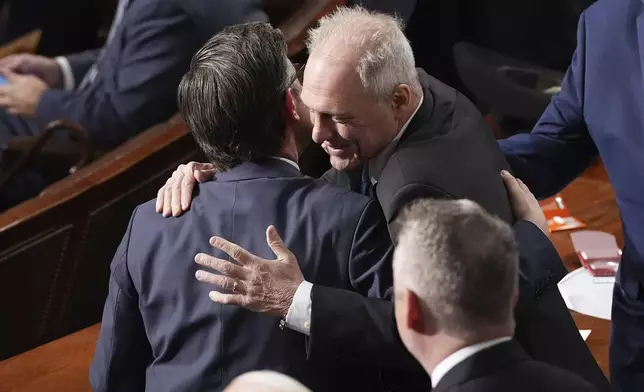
<point x="265" y="381"/>
<point x="384" y="57"/>
<point x="233" y="95"/>
<point x="461" y="262"/>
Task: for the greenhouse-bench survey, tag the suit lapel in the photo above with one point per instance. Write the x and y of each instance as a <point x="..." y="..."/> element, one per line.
<point x="483" y="363"/>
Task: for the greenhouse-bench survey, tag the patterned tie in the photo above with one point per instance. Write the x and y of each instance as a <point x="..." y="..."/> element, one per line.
<point x="89" y="77"/>
<point x="366" y="187"/>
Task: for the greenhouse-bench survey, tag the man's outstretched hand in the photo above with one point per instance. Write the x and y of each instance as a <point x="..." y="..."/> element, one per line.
<point x="524" y="205"/>
<point x="174" y="198"/>
<point x="259" y="285"/>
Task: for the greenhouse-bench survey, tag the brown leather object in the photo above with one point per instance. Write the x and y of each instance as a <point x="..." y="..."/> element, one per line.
<point x="54" y="158"/>
<point x="55" y="250"/>
<point x="25" y="44"/>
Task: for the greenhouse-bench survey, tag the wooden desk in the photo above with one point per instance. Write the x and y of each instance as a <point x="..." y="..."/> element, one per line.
<point x="591" y="199"/>
<point x="63" y="365"/>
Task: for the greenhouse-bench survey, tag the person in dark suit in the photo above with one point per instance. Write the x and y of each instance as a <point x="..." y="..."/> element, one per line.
<point x="397" y="134"/>
<point x="597" y="113"/>
<point x="125" y="87"/>
<point x="160" y="331"/>
<point x="455" y="284"/>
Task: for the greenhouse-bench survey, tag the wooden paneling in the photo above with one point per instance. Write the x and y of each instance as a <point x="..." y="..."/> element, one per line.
<point x="63" y="364"/>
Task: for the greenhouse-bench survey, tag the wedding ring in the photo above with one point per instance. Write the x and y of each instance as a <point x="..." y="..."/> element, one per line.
<point x="235" y="287"/>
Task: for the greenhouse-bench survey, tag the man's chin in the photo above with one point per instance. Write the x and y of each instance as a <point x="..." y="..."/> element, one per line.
<point x="344" y="164"/>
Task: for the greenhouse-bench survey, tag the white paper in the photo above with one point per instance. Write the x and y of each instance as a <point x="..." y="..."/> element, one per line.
<point x="584" y="333"/>
<point x="587" y="295"/>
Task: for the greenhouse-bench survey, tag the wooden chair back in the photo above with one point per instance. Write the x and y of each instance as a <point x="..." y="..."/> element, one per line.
<point x="55" y="250"/>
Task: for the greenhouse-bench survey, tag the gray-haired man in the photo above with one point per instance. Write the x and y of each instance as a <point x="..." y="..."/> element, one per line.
<point x="455" y="282"/>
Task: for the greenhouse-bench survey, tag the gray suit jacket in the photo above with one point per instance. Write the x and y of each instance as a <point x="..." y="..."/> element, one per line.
<point x="140" y="68"/>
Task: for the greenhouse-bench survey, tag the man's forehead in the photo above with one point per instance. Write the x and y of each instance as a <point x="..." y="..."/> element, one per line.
<point x="330" y="85"/>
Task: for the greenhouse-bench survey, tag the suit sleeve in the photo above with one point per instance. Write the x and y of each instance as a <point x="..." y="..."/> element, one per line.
<point x="559" y="148"/>
<point x="348" y="326"/>
<point x="540" y="266"/>
<point x="371" y="253"/>
<point x="134" y="88"/>
<point x="80" y="63"/>
<point x="122" y="351"/>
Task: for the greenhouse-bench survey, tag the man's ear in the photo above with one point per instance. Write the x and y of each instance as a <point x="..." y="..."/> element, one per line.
<point x="402" y="97"/>
<point x="291" y="106"/>
<point x="415" y="318"/>
<point x="515" y="297"/>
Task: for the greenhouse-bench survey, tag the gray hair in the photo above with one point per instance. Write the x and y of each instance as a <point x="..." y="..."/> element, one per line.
<point x="232" y="97"/>
<point x="386" y="58"/>
<point x="461" y="262"/>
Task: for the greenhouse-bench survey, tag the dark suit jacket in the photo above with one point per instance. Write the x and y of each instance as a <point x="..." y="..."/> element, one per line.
<point x="161" y="332"/>
<point x="597" y="112"/>
<point x="507" y="368"/>
<point x="141" y="67"/>
<point x="449" y="152"/>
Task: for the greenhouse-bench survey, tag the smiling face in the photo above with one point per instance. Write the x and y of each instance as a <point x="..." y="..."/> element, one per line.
<point x="350" y="124"/>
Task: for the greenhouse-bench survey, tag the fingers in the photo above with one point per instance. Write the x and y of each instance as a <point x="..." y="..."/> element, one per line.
<point x="159" y="204"/>
<point x="276" y="244"/>
<point x="235" y="251"/>
<point x="225" y="267"/>
<point x="511" y="183"/>
<point x="175" y="196"/>
<point x="224" y="282"/>
<point x="226" y="299"/>
<point x="175" y="202"/>
<point x="524" y="188"/>
<point x="11" y="76"/>
<point x="167" y="198"/>
<point x="187" y="184"/>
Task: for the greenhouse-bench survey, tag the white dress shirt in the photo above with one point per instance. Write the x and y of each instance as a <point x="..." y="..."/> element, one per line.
<point x="290" y="162"/>
<point x="454" y="359"/>
<point x="69" y="83"/>
<point x="298" y="317"/>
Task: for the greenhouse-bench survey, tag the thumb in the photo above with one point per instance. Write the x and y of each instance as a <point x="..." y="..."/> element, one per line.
<point x="276" y="244"/>
<point x="10" y="75"/>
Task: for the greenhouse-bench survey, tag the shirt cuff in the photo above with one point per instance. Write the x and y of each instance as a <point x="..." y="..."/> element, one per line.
<point x="68" y="76"/>
<point x="298" y="317"/>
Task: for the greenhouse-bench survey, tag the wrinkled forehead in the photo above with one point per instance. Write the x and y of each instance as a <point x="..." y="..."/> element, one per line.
<point x="331" y="84"/>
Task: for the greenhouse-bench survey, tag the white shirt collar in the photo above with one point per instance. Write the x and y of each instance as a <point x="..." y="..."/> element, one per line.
<point x="454" y="359"/>
<point x="290" y="162"/>
<point x="379" y="161"/>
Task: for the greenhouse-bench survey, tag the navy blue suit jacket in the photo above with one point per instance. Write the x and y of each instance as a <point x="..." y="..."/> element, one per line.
<point x="161" y="332"/>
<point x="599" y="110"/>
<point x="140" y="68"/>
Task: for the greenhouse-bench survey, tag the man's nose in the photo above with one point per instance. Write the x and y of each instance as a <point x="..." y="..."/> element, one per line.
<point x="321" y="130"/>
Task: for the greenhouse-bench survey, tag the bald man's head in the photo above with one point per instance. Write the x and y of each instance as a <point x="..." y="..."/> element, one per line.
<point x="265" y="381"/>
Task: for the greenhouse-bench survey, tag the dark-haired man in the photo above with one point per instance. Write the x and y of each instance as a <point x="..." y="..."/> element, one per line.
<point x="160" y="330"/>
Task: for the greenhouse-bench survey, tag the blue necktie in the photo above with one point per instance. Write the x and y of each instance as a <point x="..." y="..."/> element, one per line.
<point x="366" y="187"/>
